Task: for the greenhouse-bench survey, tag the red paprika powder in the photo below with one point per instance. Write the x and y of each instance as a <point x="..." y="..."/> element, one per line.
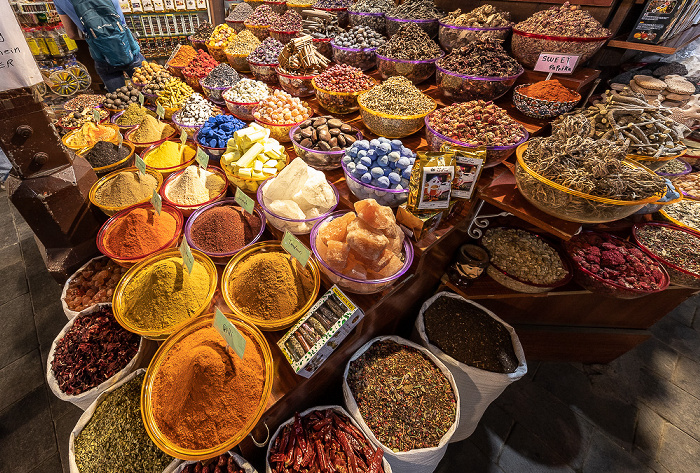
<point x="224" y="229"/>
<point x="201" y="65"/>
<point x="551" y="90"/>
<point x="139" y="232"/>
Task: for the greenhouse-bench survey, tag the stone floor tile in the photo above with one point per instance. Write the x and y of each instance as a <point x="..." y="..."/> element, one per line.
<point x="50" y="465"/>
<point x="19" y="334"/>
<point x="8" y="233"/>
<point x="606" y="456"/>
<point x="492" y="431"/>
<point x="684" y="340"/>
<point x="11" y="254"/>
<point x="657" y="356"/>
<point x="465" y="457"/>
<point x="64" y="426"/>
<point x="44" y="289"/>
<point x="49" y="320"/>
<point x="687" y="376"/>
<point x="27" y="437"/>
<point x="14" y="282"/>
<point x="685" y="312"/>
<point x="679" y="452"/>
<point x="32" y="257"/>
<point x="525" y="453"/>
<point x="19" y="378"/>
<point x="649" y="430"/>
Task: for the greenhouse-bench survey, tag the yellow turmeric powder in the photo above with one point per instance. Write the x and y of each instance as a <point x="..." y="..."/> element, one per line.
<point x="169" y="154"/>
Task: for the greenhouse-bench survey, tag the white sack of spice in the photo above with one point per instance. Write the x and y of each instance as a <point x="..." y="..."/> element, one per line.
<point x="179" y="465"/>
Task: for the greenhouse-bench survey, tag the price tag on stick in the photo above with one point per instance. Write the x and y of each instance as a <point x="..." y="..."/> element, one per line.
<point x="160" y="111"/>
<point x="202" y="158"/>
<point x="186" y="253"/>
<point x="183" y="138"/>
<point x="157" y="201"/>
<point x="556" y="63"/>
<point x="140" y="164"/>
<point x="141" y="99"/>
<point x="244" y="201"/>
<point x="96" y="115"/>
<point x="296" y="248"/>
<point x="229" y="332"/>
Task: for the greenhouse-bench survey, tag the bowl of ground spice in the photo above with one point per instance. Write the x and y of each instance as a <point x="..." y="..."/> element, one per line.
<point x="199" y="397"/>
<point x="169" y="156"/>
<point x="105" y="156"/>
<point x="139" y="231"/>
<point x="266" y="286"/>
<point x="89" y="134"/>
<point x="123" y="188"/>
<point x="159" y="295"/>
<point x="131" y="117"/>
<point x="544" y="99"/>
<point x="193" y="187"/>
<point x="676" y="248"/>
<point x="149" y="132"/>
<point x="222" y="229"/>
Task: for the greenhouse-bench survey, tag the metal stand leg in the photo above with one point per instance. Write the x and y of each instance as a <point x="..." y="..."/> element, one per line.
<point x="480" y="222"/>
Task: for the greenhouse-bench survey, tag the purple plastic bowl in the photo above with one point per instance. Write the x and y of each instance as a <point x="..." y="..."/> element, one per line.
<point x="688" y="170"/>
<point x="220" y="258"/>
<point x="429" y="25"/>
<point x="295" y="226"/>
<point x="317" y="159"/>
<point x="495" y="155"/>
<point x="463" y="88"/>
<point x="415" y="71"/>
<point x="375" y="21"/>
<point x="358" y="286"/>
<point x="362" y="59"/>
<point x="213" y="153"/>
<point x="453" y="36"/>
<point x="191" y="130"/>
<point x="388" y="197"/>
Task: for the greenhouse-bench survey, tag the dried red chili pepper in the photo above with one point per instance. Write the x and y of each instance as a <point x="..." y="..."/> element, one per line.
<point x="375" y="464"/>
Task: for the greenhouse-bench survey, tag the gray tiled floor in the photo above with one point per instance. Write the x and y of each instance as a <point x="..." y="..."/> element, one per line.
<point x="640" y="413"/>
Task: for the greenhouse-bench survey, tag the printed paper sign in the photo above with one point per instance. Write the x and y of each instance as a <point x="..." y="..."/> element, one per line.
<point x="186" y="253"/>
<point x="244" y="201"/>
<point x="202" y="158"/>
<point x="157" y="201"/>
<point x="557" y="63"/>
<point x="229" y="332"/>
<point x="17" y="66"/>
<point x="296" y="248"/>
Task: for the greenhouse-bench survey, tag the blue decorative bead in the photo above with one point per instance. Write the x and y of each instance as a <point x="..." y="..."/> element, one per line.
<point x="406" y="173"/>
<point x="403" y="163"/>
<point x="396" y="145"/>
<point x="366" y="178"/>
<point x="352" y="152"/>
<point x="374" y="143"/>
<point x="362" y="144"/>
<point x="348" y="159"/>
<point x="372" y="154"/>
<point x="394" y="178"/>
<point x="404" y="183"/>
<point x="383" y="161"/>
<point x="394" y="156"/>
<point x="377" y="172"/>
<point x="361" y="168"/>
<point x="366" y="160"/>
<point x="383" y="182"/>
<point x="362" y="153"/>
<point x="350" y="167"/>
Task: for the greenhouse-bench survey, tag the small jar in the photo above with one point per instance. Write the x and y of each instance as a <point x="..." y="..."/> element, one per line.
<point x="470" y="263"/>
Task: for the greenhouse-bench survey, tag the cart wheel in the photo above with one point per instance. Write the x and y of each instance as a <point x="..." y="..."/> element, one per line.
<point x="64" y="83"/>
<point x="41" y="88"/>
<point x="81" y="73"/>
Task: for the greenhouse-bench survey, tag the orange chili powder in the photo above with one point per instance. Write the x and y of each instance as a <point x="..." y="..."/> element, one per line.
<point x="203" y="393"/>
<point x="549" y="90"/>
<point x="140" y="232"/>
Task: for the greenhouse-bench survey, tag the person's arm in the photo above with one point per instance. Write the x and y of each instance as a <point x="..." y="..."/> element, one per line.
<point x="71" y="30"/>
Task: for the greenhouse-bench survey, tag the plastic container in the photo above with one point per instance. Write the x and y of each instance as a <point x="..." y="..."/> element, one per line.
<point x="321" y="160"/>
<point x="542" y="109"/>
<point x="217" y="52"/>
<point x="242" y="110"/>
<point x="141" y="147"/>
<point x="150" y="99"/>
<point x="260" y="31"/>
<point x="363" y="59"/>
<point x="568" y="204"/>
<point x="298" y="86"/>
<point x="281" y="132"/>
<point x="358" y="286"/>
<point x="169" y="111"/>
<point x="161" y="355"/>
<point x="190" y="130"/>
<point x="393" y="25"/>
<point x="237" y="26"/>
<point x="268" y="247"/>
<point x="672" y="196"/>
<point x="415" y="71"/>
<point x="283" y="224"/>
<point x="452" y="36"/>
<point x="678" y="275"/>
<point x="66" y="138"/>
<point x="127" y="262"/>
<point x="198" y="43"/>
<point x="264" y="72"/>
<point x="688" y="169"/>
<point x="171" y="169"/>
<point x="388" y="197"/>
<point x="323" y="46"/>
<point x="175" y="70"/>
<point x="392" y="126"/>
<point x="651" y="162"/>
<point x="193" y="81"/>
<point x="283" y="37"/>
<point x="341" y="103"/>
<point x="102" y="121"/>
<point x="113" y="120"/>
<point x="187" y="210"/>
<point x="213" y="153"/>
<point x="299" y="8"/>
<point x="678" y="183"/>
<point x="495" y="155"/>
<point x="122" y="163"/>
<point x="109" y="211"/>
<point x="463" y="88"/>
<point x="249" y="185"/>
<point x="598" y="285"/>
<point x="119" y="303"/>
<point x="278" y="7"/>
<point x="527" y="47"/>
<point x="376" y="21"/>
<point x="220" y="258"/>
<point x="214" y="93"/>
<point x="676" y="222"/>
<point x="239" y="62"/>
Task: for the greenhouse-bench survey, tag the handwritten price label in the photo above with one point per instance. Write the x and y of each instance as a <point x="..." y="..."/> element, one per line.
<point x="202" y="158"/>
<point x="244" y="201"/>
<point x="296" y="248"/>
<point x="140" y="164"/>
<point x="229" y="332"/>
<point x="557" y="63"/>
<point x="186" y="253"/>
<point x="160" y="111"/>
<point x="157" y="201"/>
<point x="141" y="99"/>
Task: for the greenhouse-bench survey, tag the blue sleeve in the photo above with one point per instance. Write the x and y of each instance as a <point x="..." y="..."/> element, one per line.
<point x="59" y="10"/>
<point x="119" y="11"/>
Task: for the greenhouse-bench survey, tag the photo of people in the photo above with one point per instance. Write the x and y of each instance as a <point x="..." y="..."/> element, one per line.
<point x="465" y="174"/>
<point x="437" y="187"/>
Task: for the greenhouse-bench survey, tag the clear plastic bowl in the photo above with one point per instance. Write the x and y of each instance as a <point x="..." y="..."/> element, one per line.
<point x="652" y="162"/>
<point x="67" y="137"/>
<point x="176" y="71"/>
<point x="169" y="111"/>
<point x="358" y="286"/>
<point x="260" y="32"/>
<point x="127" y="262"/>
<point x="323" y="46"/>
<point x="220" y="258"/>
<point x="239" y="62"/>
<point x="387" y="197"/>
<point x="392" y="126"/>
<point x="317" y="159"/>
<point x="688" y="169"/>
<point x="171" y="169"/>
<point x="393" y="25"/>
<point x="598" y="285"/>
<point x="249" y="185"/>
<point x="678" y="275"/>
<point x="192" y="326"/>
<point x="676" y="222"/>
<point x="150" y="99"/>
<point x="213" y="153"/>
<point x="375" y="21"/>
<point x="122" y="163"/>
<point x="299" y="8"/>
<point x="265" y="72"/>
<point x="241" y="110"/>
<point x="193" y="81"/>
<point x="197" y="43"/>
<point x="542" y="109"/>
<point x="283" y="37"/>
<point x="298" y="86"/>
<point x="190" y="130"/>
<point x="109" y="211"/>
<point x="341" y="103"/>
<point x="188" y="209"/>
<point x="415" y="71"/>
<point x="113" y="120"/>
<point x="268" y="247"/>
<point x="297" y="227"/>
<point x="463" y="88"/>
<point x="217" y="52"/>
<point x="527" y="47"/>
<point x="214" y="93"/>
<point x="277" y="7"/>
<point x="236" y="26"/>
<point x="141" y="147"/>
<point x="453" y="36"/>
<point x="281" y="132"/>
<point x="363" y="59"/>
<point x="656" y="206"/>
<point x="568" y="204"/>
<point x="495" y="155"/>
<point x="678" y="183"/>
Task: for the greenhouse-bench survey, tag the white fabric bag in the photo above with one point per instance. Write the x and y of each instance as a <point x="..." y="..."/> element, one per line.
<point x="179" y="465"/>
<point x="87" y="415"/>
<point x="69" y="312"/>
<point x="84" y="399"/>
<point x="421" y="460"/>
<point x="339" y="410"/>
<point x="477" y="388"/>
